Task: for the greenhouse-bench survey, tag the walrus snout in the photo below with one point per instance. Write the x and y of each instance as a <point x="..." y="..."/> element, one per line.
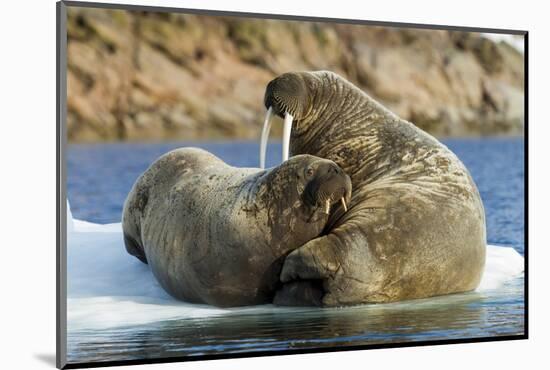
<point x="287" y="93"/>
<point x="328" y="185"/>
<point x="287" y="96"/>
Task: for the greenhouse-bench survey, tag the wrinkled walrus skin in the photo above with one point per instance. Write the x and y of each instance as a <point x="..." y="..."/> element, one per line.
<point x="416" y="224"/>
<point x="217" y="234"/>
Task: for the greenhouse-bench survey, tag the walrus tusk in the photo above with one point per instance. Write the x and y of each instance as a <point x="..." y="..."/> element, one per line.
<point x="287" y="128"/>
<point x="327" y="206"/>
<point x="344" y="204"/>
<point x="265" y="136"/>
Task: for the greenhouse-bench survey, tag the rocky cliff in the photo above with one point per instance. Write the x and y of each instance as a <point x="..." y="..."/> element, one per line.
<point x="161" y="76"/>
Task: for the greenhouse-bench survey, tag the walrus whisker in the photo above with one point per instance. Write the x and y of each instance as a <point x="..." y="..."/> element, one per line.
<point x="287" y="128"/>
<point x="265" y="136"/>
<point x="344" y="204"/>
<point x="282" y="105"/>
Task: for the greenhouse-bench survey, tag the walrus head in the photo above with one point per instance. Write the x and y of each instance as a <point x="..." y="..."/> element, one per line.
<point x="290" y="93"/>
<point x="316" y="183"/>
<point x="289" y="96"/>
<point x="325" y="185"/>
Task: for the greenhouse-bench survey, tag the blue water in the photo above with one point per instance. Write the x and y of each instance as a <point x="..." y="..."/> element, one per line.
<point x="100" y="176"/>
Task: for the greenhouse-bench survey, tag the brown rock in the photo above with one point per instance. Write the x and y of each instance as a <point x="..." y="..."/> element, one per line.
<point x="160" y="76"/>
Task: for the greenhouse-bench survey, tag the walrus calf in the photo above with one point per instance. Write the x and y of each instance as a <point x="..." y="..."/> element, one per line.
<point x="415" y="226"/>
<point x="217" y="234"/>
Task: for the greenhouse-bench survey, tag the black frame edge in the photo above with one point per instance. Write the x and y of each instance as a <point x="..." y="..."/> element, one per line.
<point x="61" y="199"/>
<point x="526" y="182"/>
<point x="162" y="360"/>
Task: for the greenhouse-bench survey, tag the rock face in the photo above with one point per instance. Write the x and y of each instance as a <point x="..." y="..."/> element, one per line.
<point x="162" y="76"/>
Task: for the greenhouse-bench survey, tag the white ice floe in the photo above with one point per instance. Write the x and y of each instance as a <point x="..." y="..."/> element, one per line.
<point x="502" y="264"/>
<point x="70" y="223"/>
<point x="108" y="288"/>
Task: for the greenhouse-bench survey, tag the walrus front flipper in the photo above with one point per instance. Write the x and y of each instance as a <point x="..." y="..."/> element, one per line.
<point x="315" y="260"/>
<point x="133" y="248"/>
<point x="300" y="293"/>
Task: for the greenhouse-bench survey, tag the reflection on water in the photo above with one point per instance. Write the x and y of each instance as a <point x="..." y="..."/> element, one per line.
<point x="471" y="315"/>
<point x="102" y="174"/>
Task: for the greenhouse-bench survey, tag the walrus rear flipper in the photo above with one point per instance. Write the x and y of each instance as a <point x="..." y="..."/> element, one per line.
<point x="133" y="248"/>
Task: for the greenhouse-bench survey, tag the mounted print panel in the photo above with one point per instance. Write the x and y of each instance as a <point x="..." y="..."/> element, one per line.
<point x="237" y="184"/>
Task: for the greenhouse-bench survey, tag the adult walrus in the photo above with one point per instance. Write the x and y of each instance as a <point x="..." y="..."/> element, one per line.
<point x="415" y="225"/>
<point x="217" y="234"/>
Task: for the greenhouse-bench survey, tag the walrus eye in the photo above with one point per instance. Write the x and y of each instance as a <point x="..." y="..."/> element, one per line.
<point x="309" y="172"/>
